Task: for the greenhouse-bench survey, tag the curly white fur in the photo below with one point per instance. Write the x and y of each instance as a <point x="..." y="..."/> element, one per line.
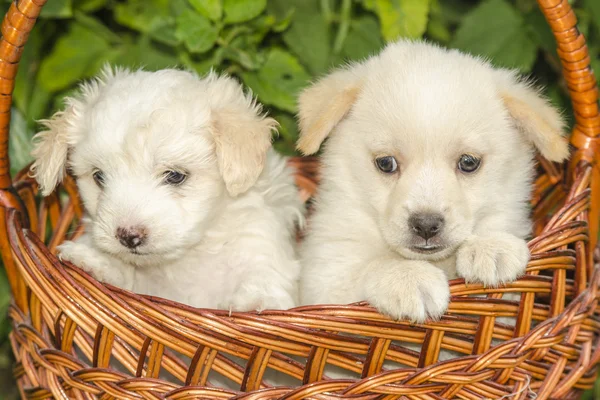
<point x="224" y="238"/>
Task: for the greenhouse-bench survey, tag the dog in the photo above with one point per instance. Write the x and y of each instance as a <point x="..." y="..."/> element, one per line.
<point x="426" y="175"/>
<point x="185" y="198"/>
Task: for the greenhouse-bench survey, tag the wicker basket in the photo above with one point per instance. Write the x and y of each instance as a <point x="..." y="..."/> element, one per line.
<point x="68" y="330"/>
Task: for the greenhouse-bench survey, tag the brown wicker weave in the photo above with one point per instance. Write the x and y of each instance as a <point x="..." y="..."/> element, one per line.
<point x="68" y="328"/>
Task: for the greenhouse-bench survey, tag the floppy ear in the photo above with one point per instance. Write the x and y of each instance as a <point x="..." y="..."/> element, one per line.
<point x="51" y="146"/>
<point x="324" y="104"/>
<point x="50" y="150"/>
<point x="534" y="116"/>
<point x="242" y="134"/>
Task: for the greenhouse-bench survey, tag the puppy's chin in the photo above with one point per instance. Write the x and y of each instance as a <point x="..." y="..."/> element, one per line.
<point x="146" y="258"/>
<point x="427" y="254"/>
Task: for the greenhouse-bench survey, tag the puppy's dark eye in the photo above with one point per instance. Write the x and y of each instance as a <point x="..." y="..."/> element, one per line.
<point x="468" y="163"/>
<point x="99" y="178"/>
<point x="386" y="164"/>
<point x="174" y="178"/>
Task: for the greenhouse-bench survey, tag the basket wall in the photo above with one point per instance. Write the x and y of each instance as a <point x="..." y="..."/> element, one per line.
<point x="75" y="338"/>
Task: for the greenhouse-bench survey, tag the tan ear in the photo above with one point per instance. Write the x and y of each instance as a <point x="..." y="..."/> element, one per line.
<point x="242" y="134"/>
<point x="534" y="116"/>
<point x="324" y="104"/>
<point x="50" y="150"/>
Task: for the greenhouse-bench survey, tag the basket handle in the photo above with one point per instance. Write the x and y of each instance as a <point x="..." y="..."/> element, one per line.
<point x="17" y="23"/>
<point x="583" y="88"/>
<point x="581" y="82"/>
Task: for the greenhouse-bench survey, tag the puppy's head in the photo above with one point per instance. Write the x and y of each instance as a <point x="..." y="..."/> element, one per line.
<point x="155" y="155"/>
<point x="433" y="145"/>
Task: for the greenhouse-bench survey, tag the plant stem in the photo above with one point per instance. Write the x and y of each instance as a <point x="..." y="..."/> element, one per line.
<point x="342" y="33"/>
<point x="326" y="10"/>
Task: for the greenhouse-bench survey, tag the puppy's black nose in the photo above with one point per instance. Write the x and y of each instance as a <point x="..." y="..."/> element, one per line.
<point x="426" y="225"/>
<point x="132" y="237"/>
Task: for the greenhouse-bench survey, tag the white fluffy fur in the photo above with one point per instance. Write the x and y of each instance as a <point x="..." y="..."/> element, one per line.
<point x="222" y="239"/>
<point x="426" y="106"/>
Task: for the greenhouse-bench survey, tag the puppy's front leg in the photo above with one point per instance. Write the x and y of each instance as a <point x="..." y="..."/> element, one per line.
<point x="492" y="258"/>
<point x="254" y="295"/>
<point x="264" y="287"/>
<point x="406" y="289"/>
<point x="101" y="266"/>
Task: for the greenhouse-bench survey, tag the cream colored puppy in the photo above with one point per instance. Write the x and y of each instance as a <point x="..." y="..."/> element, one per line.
<point x="184" y="198"/>
<point x="426" y="175"/>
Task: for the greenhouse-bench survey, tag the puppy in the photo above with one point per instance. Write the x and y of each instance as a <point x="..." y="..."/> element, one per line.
<point x="184" y="197"/>
<point x="426" y="176"/>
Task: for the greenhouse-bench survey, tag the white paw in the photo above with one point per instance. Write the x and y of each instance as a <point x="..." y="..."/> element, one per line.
<point x="492" y="260"/>
<point x="91" y="261"/>
<point x="253" y="297"/>
<point x="413" y="290"/>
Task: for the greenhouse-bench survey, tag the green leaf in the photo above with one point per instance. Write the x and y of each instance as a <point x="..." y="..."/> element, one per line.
<point x="584" y="21"/>
<point x="211" y="9"/>
<point x="438" y="31"/>
<point x="496" y="30"/>
<point x="540" y="31"/>
<point x="260" y="27"/>
<point x="89" y="5"/>
<point x="285" y="143"/>
<point x="243" y="51"/>
<point x="58" y="102"/>
<point x="166" y="33"/>
<point x="363" y="39"/>
<point x="284" y="147"/>
<point x="38" y="104"/>
<point x="151" y="17"/>
<point x="526" y="6"/>
<point x="96" y="26"/>
<point x="71" y="58"/>
<point x="196" y="31"/>
<point x="369" y="4"/>
<point x="28" y="68"/>
<point x="253" y="32"/>
<point x="57" y="9"/>
<point x="177" y="7"/>
<point x="242" y="10"/>
<point x="594" y="7"/>
<point x="19" y="149"/>
<point x="453" y="11"/>
<point x="209" y="61"/>
<point x="438" y="26"/>
<point x="283" y="22"/>
<point x="279" y="80"/>
<point x="142" y="15"/>
<point x="402" y="18"/>
<point x="288" y="128"/>
<point x="144" y="53"/>
<point x="595" y="64"/>
<point x="308" y="36"/>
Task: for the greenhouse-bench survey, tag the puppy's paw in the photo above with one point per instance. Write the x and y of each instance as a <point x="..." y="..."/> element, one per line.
<point x="93" y="262"/>
<point x="492" y="260"/>
<point x="413" y="290"/>
<point x="257" y="297"/>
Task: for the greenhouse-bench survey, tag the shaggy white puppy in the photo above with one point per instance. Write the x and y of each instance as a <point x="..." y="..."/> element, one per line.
<point x="426" y="175"/>
<point x="184" y="197"/>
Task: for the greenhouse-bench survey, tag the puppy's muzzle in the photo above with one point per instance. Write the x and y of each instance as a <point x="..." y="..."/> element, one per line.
<point x="426" y="225"/>
<point x="132" y="237"/>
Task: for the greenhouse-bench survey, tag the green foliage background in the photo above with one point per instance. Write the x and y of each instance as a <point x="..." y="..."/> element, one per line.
<point x="276" y="47"/>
